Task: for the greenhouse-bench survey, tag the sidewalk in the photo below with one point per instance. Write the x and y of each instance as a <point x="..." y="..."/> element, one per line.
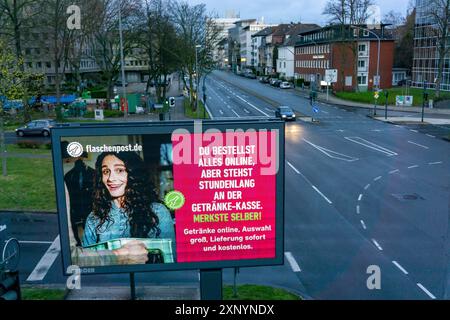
<point x="142" y="293"/>
<point x="322" y="97"/>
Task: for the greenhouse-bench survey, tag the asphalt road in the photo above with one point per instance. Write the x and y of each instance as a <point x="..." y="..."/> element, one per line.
<point x="360" y="194"/>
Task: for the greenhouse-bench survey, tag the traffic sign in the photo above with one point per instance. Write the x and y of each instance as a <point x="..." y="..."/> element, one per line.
<point x="376" y="95"/>
<point x="316" y="110"/>
<point x="376" y="80"/>
<point x="331" y="75"/>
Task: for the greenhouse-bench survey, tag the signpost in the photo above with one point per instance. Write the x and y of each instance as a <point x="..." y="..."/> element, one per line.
<point x="225" y="196"/>
<point x="331" y="76"/>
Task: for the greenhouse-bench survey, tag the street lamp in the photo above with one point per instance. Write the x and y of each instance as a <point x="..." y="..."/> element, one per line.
<point x="122" y="62"/>
<point x="197" y="75"/>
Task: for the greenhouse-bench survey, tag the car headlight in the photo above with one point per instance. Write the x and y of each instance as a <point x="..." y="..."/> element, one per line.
<point x="283" y="116"/>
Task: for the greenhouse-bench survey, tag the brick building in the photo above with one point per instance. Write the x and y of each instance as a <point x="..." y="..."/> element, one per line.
<point x="352" y="50"/>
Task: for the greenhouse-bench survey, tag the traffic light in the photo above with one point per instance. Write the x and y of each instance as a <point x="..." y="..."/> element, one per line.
<point x="172" y="102"/>
<point x="10" y="286"/>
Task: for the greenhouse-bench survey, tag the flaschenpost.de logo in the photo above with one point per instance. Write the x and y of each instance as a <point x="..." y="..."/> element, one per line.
<point x="75" y="149"/>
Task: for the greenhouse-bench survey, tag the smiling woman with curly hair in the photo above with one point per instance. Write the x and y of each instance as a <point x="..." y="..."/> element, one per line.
<point x="125" y="203"/>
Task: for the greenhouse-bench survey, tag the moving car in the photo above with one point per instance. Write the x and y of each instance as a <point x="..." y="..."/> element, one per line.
<point x="285" y="85"/>
<point x="285" y="113"/>
<point x="36" y="127"/>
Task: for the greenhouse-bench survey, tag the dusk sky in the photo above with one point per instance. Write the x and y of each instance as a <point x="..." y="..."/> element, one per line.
<point x="278" y="11"/>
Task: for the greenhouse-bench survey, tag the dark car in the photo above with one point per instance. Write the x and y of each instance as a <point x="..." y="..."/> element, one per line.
<point x="264" y="80"/>
<point x="250" y="75"/>
<point x="285" y="113"/>
<point x="36" y="127"/>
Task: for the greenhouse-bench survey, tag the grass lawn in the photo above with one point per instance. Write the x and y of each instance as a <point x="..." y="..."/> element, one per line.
<point x="28" y="186"/>
<point x="367" y="97"/>
<point x="200" y="114"/>
<point x="43" y="294"/>
<point x="40" y="150"/>
<point x="254" y="292"/>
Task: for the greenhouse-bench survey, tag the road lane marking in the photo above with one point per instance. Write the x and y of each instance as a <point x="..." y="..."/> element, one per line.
<point x="367" y="187"/>
<point x="47" y="260"/>
<point x="221" y="112"/>
<point x="434" y="163"/>
<point x="426" y="291"/>
<point x="246" y="111"/>
<point x="309" y="182"/>
<point x="417" y="144"/>
<point x="360" y="197"/>
<point x="293" y="168"/>
<point x="413" y="130"/>
<point x="235" y="113"/>
<point x="377" y="178"/>
<point x="294" y="265"/>
<point x="358" y="210"/>
<point x="371" y="145"/>
<point x="35" y="242"/>
<point x="363" y="225"/>
<point x="251" y="105"/>
<point x="325" y="112"/>
<point x="332" y="154"/>
<point x="400" y="267"/>
<point x="377" y="245"/>
<point x="394" y="171"/>
<point x="376" y="130"/>
<point x="431" y="136"/>
<point x="323" y="196"/>
<point x="414" y="166"/>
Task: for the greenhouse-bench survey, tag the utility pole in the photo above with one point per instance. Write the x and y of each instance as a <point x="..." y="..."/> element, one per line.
<point x="122" y="62"/>
<point x="425" y="99"/>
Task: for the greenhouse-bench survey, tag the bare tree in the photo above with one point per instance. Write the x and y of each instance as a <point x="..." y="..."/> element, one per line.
<point x="194" y="28"/>
<point x="157" y="36"/>
<point x="438" y="12"/>
<point x="346" y="13"/>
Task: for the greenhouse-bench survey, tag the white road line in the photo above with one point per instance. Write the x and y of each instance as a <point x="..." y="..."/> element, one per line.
<point x="360" y="197"/>
<point x="47" y="260"/>
<point x="376" y="130"/>
<point x="293" y="168"/>
<point x="36" y="242"/>
<point x="323" y="196"/>
<point x="420" y="145"/>
<point x="339" y="117"/>
<point x="358" y="210"/>
<point x="431" y="136"/>
<point x="294" y="265"/>
<point x="332" y="154"/>
<point x="394" y="171"/>
<point x="398" y="126"/>
<point x="413" y="130"/>
<point x="251" y="105"/>
<point x="433" y="163"/>
<point x="2" y="228"/>
<point x="235" y="113"/>
<point x="221" y="112"/>
<point x="371" y="145"/>
<point x="414" y="166"/>
<point x="267" y="109"/>
<point x="325" y="112"/>
<point x="377" y="178"/>
<point x="363" y="225"/>
<point x="426" y="291"/>
<point x="400" y="267"/>
<point x="377" y="245"/>
<point x="367" y="187"/>
<point x="246" y="111"/>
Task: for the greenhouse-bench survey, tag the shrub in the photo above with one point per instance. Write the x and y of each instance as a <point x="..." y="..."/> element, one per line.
<point x="32" y="144"/>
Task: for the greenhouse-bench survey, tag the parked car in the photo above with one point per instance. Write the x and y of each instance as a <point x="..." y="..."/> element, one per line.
<point x="285" y="85"/>
<point x="276" y="83"/>
<point x="250" y="75"/>
<point x="264" y="79"/>
<point x="36" y="127"/>
<point x="285" y="113"/>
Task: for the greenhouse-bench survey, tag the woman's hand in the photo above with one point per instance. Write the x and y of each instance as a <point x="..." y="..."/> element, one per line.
<point x="134" y="252"/>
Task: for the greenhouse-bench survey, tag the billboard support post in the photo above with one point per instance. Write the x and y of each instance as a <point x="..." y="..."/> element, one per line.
<point x="211" y="284"/>
<point x="132" y="287"/>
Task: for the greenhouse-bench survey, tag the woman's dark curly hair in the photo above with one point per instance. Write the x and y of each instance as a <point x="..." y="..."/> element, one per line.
<point x="138" y="198"/>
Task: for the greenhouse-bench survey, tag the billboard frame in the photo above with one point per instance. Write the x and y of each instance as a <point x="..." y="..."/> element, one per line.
<point x="167" y="127"/>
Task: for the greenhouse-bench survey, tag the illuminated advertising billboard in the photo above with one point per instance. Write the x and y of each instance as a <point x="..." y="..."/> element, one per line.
<point x="170" y="196"/>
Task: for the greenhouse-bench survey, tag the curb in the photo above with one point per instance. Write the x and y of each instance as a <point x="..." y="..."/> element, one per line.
<point x="15" y="211"/>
